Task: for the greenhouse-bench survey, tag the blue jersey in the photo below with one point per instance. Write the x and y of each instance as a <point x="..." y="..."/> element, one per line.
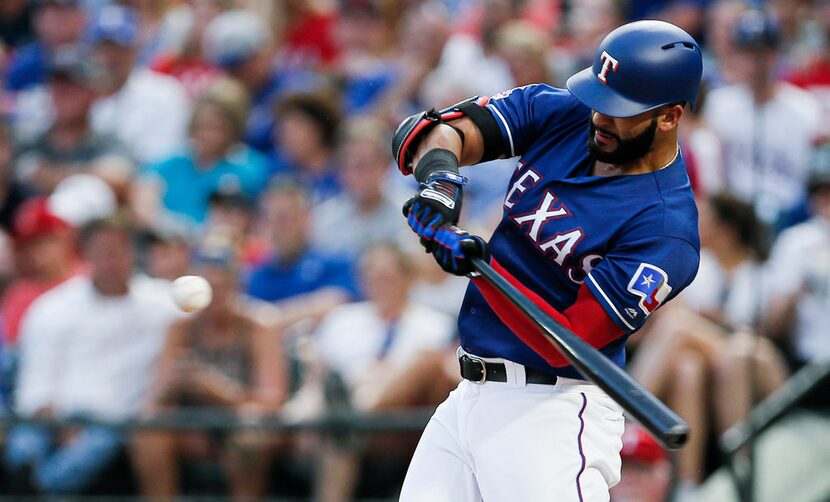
<point x="632" y="239"/>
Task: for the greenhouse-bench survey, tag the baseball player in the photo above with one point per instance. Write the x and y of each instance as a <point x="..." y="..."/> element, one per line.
<point x="599" y="229"/>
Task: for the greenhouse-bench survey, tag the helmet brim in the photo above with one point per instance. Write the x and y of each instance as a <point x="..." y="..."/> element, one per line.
<point x="586" y="87"/>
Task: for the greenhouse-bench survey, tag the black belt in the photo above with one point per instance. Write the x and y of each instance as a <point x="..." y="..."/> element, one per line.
<point x="479" y="371"/>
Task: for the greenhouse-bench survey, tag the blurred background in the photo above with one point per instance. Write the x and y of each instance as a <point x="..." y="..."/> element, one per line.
<point x="247" y="141"/>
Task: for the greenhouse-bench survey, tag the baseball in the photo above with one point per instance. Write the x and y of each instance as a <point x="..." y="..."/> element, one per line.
<point x="191" y="293"/>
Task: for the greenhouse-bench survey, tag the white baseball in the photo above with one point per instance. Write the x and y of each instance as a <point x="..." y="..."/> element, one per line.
<point x="191" y="293"/>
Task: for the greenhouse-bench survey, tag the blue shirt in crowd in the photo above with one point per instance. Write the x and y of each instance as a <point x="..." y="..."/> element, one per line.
<point x="313" y="270"/>
<point x="27" y="67"/>
<point x="320" y="187"/>
<point x="186" y="188"/>
<point x="259" y="131"/>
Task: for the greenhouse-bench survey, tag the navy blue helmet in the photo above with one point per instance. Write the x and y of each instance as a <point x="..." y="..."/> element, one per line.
<point x="638" y="67"/>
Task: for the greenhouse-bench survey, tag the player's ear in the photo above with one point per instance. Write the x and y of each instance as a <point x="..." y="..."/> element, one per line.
<point x="670" y="117"/>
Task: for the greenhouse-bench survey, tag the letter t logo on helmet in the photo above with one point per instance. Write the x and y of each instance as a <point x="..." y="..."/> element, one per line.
<point x="608" y="64"/>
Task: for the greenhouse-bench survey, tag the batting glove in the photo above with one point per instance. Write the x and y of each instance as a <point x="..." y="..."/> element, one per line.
<point x="441" y="195"/>
<point x="423" y="220"/>
<point x="454" y="248"/>
<point x="437" y="203"/>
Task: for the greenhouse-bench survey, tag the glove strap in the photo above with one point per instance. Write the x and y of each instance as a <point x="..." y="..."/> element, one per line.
<point x="449" y="176"/>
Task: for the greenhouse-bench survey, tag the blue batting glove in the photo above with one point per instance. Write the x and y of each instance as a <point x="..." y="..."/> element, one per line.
<point x="424" y="222"/>
<point x="454" y="247"/>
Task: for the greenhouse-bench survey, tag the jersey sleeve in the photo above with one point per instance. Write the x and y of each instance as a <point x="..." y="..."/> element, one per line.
<point x="636" y="278"/>
<point x="525" y="113"/>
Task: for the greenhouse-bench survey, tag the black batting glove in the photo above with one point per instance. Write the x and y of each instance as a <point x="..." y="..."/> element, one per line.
<point x="438" y="201"/>
<point x="453" y="248"/>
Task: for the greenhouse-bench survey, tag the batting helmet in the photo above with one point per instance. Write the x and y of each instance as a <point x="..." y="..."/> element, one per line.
<point x="638" y="67"/>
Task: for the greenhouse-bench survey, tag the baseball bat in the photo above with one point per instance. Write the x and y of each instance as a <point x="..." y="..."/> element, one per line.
<point x="656" y="417"/>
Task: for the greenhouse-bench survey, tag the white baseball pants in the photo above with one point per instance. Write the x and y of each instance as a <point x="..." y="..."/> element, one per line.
<point x="517" y="442"/>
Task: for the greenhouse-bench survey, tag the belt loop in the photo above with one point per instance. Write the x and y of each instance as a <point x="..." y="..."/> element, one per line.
<point x="519" y="374"/>
<point x="510" y="372"/>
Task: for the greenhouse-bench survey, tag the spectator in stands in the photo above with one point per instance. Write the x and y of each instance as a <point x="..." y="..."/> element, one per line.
<point x="181" y="54"/>
<point x="86" y="348"/>
<point x="525" y="48"/>
<point x="178" y="189"/>
<point x="57" y="23"/>
<point x="305" y="142"/>
<point x="702" y="150"/>
<point x="719" y="49"/>
<point x="733" y="290"/>
<point x="70" y="146"/>
<point x="364" y="213"/>
<point x="423" y="31"/>
<point x="231" y="218"/>
<point x="11" y="193"/>
<point x="305" y="282"/>
<point x="218" y="359"/>
<point x="147" y="111"/>
<point x="45" y="257"/>
<point x="646" y="469"/>
<point x="240" y="42"/>
<point x="766" y="154"/>
<point x="167" y="253"/>
<point x="799" y="267"/>
<point x="368" y="345"/>
<point x="688" y="14"/>
<point x="814" y="73"/>
<point x="733" y="249"/>
<point x="151" y="17"/>
<point x="471" y="50"/>
<point x="366" y="65"/>
<point x="309" y="34"/>
<point x="16" y="28"/>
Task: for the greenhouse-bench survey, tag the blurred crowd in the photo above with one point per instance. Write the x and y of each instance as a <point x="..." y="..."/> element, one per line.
<point x="247" y="141"/>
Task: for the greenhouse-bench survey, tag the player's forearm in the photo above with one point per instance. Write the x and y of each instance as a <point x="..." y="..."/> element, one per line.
<point x="469" y="150"/>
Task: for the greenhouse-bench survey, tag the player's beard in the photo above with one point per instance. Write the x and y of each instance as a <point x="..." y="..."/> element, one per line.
<point x="628" y="150"/>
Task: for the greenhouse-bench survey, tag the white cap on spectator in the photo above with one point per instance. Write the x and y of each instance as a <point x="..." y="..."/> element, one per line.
<point x="81" y="198"/>
<point x="233" y="37"/>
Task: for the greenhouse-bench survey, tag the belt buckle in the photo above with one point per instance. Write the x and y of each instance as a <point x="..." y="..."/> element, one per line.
<point x="483" y="369"/>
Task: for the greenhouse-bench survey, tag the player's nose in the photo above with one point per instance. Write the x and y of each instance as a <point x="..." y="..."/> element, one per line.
<point x="603" y="121"/>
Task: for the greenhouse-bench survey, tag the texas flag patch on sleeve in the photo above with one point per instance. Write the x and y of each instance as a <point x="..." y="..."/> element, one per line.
<point x="651" y="284"/>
